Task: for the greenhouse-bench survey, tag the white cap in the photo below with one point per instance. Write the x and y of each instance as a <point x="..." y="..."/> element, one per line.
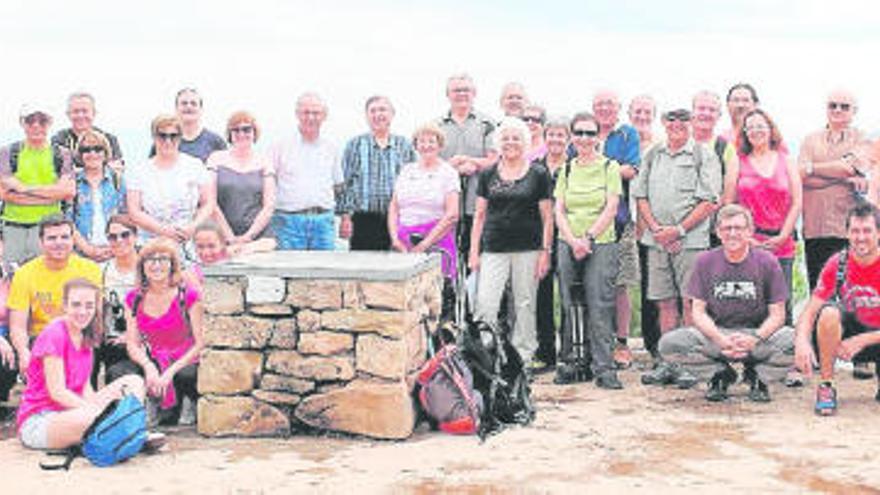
<point x="29" y="109"/>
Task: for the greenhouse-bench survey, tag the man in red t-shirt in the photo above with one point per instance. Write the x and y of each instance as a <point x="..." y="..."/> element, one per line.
<point x="845" y="307"/>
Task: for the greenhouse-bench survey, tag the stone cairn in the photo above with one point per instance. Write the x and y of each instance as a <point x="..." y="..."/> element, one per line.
<point x="338" y="353"/>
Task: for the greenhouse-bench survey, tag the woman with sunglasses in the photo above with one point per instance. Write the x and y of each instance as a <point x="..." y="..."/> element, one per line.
<point x="534" y="117"/>
<point x="172" y="193"/>
<point x="59" y="404"/>
<point x="165" y="313"/>
<point x="245" y="183"/>
<point x="587" y="193"/>
<point x="118" y="275"/>
<point x="768" y="184"/>
<point x="99" y="194"/>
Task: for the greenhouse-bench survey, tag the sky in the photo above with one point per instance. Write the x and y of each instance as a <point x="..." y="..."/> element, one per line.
<point x="259" y="55"/>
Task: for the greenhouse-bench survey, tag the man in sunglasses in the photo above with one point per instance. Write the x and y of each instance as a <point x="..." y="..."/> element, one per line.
<point x="35" y="177"/>
<point x="81" y="113"/>
<point x="676" y="191"/>
<point x="834" y="162"/>
<point x="36" y="292"/>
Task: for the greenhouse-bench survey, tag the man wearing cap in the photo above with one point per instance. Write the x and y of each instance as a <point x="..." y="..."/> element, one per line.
<point x="35" y="177"/>
<point x="676" y="190"/>
<point x="81" y="112"/>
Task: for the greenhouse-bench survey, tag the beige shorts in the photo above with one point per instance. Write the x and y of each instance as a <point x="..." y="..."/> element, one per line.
<point x="628" y="258"/>
<point x="668" y="274"/>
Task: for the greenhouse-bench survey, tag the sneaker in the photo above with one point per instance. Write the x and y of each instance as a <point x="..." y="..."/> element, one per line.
<point x="187" y="412"/>
<point x="685" y="379"/>
<point x="758" y="391"/>
<point x="719" y="383"/>
<point x="623" y="357"/>
<point x="794" y="378"/>
<point x="567" y="373"/>
<point x="609" y="381"/>
<point x="862" y="371"/>
<point x="826" y="399"/>
<point x="664" y="374"/>
<point x="155" y="441"/>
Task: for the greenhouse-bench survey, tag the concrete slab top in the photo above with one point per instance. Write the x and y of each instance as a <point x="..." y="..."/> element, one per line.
<point x="340" y="265"/>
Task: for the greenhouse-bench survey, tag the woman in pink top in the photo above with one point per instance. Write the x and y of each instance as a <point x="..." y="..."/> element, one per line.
<point x="767" y="183"/>
<point x="424" y="207"/>
<point x="166" y="314"/>
<point x="59" y="403"/>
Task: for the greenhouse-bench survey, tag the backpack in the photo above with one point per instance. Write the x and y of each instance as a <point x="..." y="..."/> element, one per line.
<point x="840" y="276"/>
<point x="720" y="147"/>
<point x="499" y="376"/>
<point x="117" y="434"/>
<point x="57" y="157"/>
<point x="447" y="394"/>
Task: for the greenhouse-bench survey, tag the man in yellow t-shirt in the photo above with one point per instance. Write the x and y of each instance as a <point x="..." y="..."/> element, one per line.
<point x="37" y="288"/>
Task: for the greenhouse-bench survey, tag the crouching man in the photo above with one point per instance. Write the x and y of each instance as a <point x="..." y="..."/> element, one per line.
<point x="739" y="295"/>
<point x="844" y="309"/>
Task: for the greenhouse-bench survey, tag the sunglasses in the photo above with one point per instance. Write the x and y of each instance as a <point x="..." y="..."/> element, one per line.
<point x="36" y="118"/>
<point x="245" y="129"/>
<point x="158" y="260"/>
<point x="585" y="133"/>
<point x="168" y="136"/>
<point x="91" y="149"/>
<point x="834" y="105"/>
<point x="535" y="120"/>
<point x="680" y="116"/>
<point x="113" y="237"/>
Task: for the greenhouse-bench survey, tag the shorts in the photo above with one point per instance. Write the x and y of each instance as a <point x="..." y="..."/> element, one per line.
<point x="627" y="258"/>
<point x="34" y="433"/>
<point x="668" y="273"/>
<point x="851" y="327"/>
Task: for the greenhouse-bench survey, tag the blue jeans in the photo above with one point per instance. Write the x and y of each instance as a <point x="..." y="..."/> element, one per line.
<point x="304" y="232"/>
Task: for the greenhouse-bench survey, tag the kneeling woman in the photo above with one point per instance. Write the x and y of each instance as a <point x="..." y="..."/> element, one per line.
<point x="59" y="403"/>
<point x="166" y="314"/>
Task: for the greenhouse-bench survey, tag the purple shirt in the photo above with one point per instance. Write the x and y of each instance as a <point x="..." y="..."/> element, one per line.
<point x="737" y="295"/>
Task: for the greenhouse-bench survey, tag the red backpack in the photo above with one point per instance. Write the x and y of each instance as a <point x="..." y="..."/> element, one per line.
<point x="447" y="392"/>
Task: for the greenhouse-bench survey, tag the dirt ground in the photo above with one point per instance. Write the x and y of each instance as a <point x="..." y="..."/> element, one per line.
<point x="640" y="439"/>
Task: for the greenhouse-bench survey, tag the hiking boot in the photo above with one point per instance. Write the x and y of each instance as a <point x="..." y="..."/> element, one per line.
<point x="567" y="373"/>
<point x="719" y="383"/>
<point x="826" y="399"/>
<point x="664" y="374"/>
<point x="758" y="391"/>
<point x="609" y="381"/>
<point x="685" y="379"/>
<point x="862" y="371"/>
<point x="623" y="357"/>
<point x="794" y="378"/>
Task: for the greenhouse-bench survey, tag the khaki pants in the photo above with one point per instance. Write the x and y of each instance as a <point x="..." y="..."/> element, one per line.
<point x="519" y="267"/>
<point x="21" y="242"/>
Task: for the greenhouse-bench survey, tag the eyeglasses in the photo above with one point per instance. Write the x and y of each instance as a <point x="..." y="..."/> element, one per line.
<point x="757" y="127"/>
<point x="91" y="149"/>
<point x="733" y="228"/>
<point x="534" y="120"/>
<point x="585" y="132"/>
<point x="113" y="237"/>
<point x="834" y="105"/>
<point x="37" y="118"/>
<point x="168" y="136"/>
<point x="158" y="260"/>
<point x="245" y="129"/>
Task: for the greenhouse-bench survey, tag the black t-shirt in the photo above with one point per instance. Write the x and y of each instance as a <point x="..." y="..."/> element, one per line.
<point x="513" y="220"/>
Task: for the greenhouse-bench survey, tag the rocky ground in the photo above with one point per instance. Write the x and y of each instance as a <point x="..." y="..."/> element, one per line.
<point x="640" y="439"/>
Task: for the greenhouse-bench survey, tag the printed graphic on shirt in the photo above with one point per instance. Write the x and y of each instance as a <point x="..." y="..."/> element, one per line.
<point x="743" y="290"/>
<point x="861" y="297"/>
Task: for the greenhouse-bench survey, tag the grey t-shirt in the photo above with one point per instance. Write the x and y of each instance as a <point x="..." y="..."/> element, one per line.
<point x="473" y="137"/>
<point x="737" y="295"/>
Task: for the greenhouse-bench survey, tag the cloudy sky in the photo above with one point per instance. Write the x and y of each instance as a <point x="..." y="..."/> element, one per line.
<point x="260" y="54"/>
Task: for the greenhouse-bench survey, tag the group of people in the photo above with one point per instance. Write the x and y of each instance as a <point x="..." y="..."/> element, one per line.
<point x="107" y="256"/>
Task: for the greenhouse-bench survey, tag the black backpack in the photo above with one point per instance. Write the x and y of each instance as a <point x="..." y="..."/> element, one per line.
<point x="499" y="376"/>
<point x="58" y="154"/>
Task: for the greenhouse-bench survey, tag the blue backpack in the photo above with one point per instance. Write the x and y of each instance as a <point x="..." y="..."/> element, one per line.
<point x="117" y="434"/>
